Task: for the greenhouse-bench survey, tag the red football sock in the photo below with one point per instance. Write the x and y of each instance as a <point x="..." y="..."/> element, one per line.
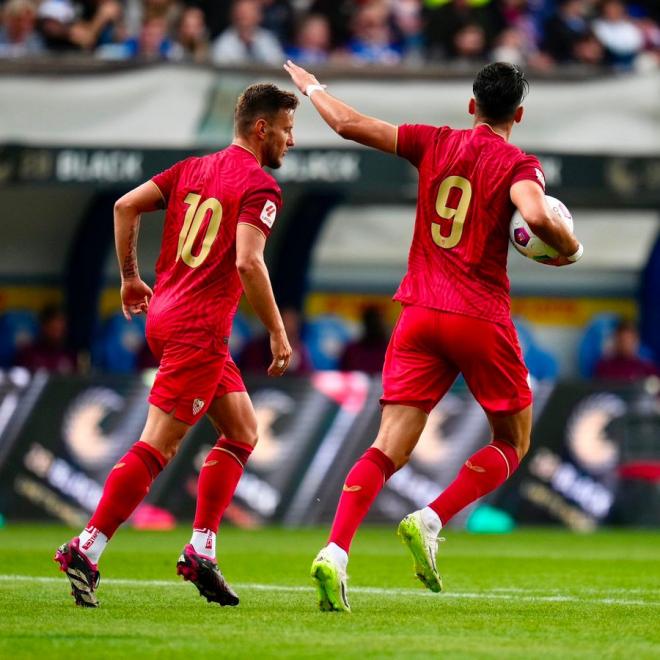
<point x="217" y="482"/>
<point x="126" y="486"/>
<point x="363" y="483"/>
<point x="483" y="472"/>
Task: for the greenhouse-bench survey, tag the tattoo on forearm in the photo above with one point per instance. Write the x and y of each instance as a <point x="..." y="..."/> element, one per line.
<point x="129" y="267"/>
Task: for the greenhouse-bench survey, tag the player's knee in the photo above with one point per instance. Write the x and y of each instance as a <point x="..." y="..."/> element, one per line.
<point x="245" y="432"/>
<point x="520" y="444"/>
<point x="523" y="447"/>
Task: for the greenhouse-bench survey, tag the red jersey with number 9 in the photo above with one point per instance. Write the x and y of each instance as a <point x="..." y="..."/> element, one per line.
<point x="197" y="286"/>
<point x="457" y="260"/>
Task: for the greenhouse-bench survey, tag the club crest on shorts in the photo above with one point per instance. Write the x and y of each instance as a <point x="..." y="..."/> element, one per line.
<point x="198" y="404"/>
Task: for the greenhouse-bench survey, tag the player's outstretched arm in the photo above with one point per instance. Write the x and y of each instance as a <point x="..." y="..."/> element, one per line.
<point x="341" y="117"/>
<point x="250" y="243"/>
<point x="529" y="199"/>
<point x="135" y="294"/>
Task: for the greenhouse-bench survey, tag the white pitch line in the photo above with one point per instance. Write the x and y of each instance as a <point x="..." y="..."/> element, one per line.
<point x="394" y="592"/>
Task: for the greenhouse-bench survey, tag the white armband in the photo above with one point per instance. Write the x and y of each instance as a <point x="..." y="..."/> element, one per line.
<point x="578" y="254"/>
<point x="310" y="89"/>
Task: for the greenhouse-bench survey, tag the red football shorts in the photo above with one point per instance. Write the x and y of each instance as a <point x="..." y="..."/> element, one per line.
<point x="429" y="348"/>
<point x="190" y="378"/>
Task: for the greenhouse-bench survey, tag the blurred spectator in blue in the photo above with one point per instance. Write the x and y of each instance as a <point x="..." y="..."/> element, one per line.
<point x="372" y="40"/>
<point x="622" y="361"/>
<point x="191" y="41"/>
<point x="338" y="13"/>
<point x="313" y="41"/>
<point x="152" y="43"/>
<point x="49" y="351"/>
<point x="446" y="18"/>
<point x="278" y="18"/>
<point x="101" y="23"/>
<point x="568" y="34"/>
<point x="245" y="41"/>
<point x="256" y="356"/>
<point x="368" y="352"/>
<point x="622" y="39"/>
<point x="408" y="25"/>
<point x="18" y="35"/>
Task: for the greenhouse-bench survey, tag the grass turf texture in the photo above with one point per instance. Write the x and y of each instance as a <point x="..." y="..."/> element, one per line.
<point x="548" y="594"/>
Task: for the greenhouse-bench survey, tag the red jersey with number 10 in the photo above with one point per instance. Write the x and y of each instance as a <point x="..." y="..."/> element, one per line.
<point x="457" y="260"/>
<point x="197" y="286"/>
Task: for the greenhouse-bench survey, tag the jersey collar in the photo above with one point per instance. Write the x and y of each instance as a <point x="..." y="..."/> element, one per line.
<point x="240" y="146"/>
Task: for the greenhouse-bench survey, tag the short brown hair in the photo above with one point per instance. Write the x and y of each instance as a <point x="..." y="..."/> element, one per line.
<point x="261" y="100"/>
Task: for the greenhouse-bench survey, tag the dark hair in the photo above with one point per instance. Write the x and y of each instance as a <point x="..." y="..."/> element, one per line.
<point x="261" y="100"/>
<point x="499" y="89"/>
<point x="50" y="312"/>
<point x="625" y="325"/>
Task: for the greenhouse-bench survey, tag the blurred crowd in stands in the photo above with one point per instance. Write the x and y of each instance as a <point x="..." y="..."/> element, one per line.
<point x="539" y="34"/>
<point x="609" y="349"/>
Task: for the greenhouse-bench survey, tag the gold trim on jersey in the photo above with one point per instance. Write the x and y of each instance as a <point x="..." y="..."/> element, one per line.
<point x="160" y="191"/>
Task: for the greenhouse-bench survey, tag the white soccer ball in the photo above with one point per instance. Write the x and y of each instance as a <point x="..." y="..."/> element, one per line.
<point x="530" y="245"/>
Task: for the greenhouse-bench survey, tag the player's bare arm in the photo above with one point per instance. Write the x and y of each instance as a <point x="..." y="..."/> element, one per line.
<point x="341" y="117"/>
<point x="135" y="293"/>
<point x="529" y="199"/>
<point x="250" y="243"/>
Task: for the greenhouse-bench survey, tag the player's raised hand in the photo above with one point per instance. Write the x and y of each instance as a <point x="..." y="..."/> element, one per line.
<point x="301" y="79"/>
<point x="135" y="297"/>
<point x="281" y="350"/>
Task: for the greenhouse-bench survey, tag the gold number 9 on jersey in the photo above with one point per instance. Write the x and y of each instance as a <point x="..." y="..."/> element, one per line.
<point x="457" y="215"/>
<point x="192" y="223"/>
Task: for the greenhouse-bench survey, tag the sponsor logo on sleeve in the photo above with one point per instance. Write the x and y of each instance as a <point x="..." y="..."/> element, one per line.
<point x="540" y="177"/>
<point x="268" y="213"/>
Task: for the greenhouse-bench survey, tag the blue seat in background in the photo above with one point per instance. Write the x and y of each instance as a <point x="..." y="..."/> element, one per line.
<point x="241" y="333"/>
<point x="594" y="342"/>
<point x="119" y="343"/>
<point x="325" y="337"/>
<point x="542" y="365"/>
<point x="18" y="328"/>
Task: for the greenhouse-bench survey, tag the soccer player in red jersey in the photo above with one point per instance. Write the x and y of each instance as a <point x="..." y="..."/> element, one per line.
<point x="456" y="308"/>
<point x="220" y="211"/>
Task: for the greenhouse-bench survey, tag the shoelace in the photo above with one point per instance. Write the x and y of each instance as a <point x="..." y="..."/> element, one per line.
<point x="435" y="542"/>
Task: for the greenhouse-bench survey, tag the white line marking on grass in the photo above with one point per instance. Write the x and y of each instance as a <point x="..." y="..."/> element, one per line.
<point x="518" y="596"/>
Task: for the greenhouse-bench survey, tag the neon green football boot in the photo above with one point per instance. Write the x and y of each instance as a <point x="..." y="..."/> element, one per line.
<point x="423" y="545"/>
<point x="330" y="579"/>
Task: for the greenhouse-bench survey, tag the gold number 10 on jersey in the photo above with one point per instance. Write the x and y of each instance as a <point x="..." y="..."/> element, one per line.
<point x="457" y="215"/>
<point x="192" y="223"/>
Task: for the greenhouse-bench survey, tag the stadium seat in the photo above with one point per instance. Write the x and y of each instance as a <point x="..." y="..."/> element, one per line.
<point x="594" y="342"/>
<point x="325" y="337"/>
<point x="241" y="333"/>
<point x="542" y="365"/>
<point x="17" y="329"/>
<point x="119" y="344"/>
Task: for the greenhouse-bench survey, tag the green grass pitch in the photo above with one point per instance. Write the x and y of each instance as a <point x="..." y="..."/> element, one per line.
<point x="530" y="594"/>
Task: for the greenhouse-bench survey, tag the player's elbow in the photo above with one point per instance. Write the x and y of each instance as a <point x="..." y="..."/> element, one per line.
<point x="247" y="264"/>
<point x="123" y="205"/>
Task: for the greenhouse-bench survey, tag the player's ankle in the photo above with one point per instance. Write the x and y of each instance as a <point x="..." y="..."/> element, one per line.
<point x="203" y="540"/>
<point x="337" y="554"/>
<point x="431" y="520"/>
<point x="91" y="543"/>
